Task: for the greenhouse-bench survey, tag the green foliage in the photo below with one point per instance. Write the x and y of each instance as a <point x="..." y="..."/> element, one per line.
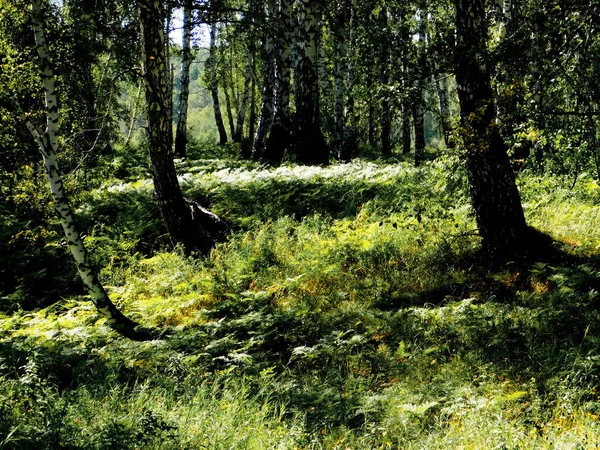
<point x="366" y="322"/>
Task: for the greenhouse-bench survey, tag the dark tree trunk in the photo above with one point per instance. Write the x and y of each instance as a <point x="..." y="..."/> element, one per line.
<point x="241" y="116"/>
<point x="384" y="79"/>
<point x="441" y="86"/>
<point x="370" y="114"/>
<point x="310" y="143"/>
<point x="214" y="84"/>
<point x="267" y="108"/>
<point x="419" y="92"/>
<point x="350" y="140"/>
<point x="279" y="138"/>
<point x="229" y="109"/>
<point x="406" y="134"/>
<point x="494" y="194"/>
<point x="186" y="60"/>
<point x="177" y="214"/>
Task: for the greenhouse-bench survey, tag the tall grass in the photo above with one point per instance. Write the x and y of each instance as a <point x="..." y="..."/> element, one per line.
<point x="348" y="309"/>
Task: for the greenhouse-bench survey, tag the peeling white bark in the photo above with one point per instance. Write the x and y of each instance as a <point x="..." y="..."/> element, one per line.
<point x="48" y="146"/>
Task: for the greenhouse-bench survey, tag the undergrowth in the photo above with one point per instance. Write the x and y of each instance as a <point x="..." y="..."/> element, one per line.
<point x="349" y="308"/>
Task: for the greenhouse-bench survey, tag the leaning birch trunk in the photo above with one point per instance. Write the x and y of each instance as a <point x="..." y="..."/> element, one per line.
<point x="134" y="112"/>
<point x="48" y="145"/>
<point x="184" y="93"/>
<point x="214" y="84"/>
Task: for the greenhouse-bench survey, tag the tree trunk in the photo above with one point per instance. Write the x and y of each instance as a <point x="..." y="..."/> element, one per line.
<point x="406" y="109"/>
<point x="350" y="127"/>
<point x="494" y="194"/>
<point x="279" y="139"/>
<point x="384" y="80"/>
<point x="267" y="109"/>
<point x="241" y="116"/>
<point x="229" y="109"/>
<point x="441" y="86"/>
<point x="419" y="92"/>
<point x="134" y="114"/>
<point x="48" y="146"/>
<point x="406" y="128"/>
<point x="186" y="60"/>
<point x="419" y="127"/>
<point x="178" y="214"/>
<point x="252" y="118"/>
<point x="370" y="112"/>
<point x="338" y="77"/>
<point x="310" y="143"/>
<point x="214" y="84"/>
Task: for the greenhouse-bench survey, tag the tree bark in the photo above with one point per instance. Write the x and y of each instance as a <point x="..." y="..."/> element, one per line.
<point x="494" y="194"/>
<point x="384" y="79"/>
<point x="48" y="145"/>
<point x="406" y="109"/>
<point x="186" y="60"/>
<point x="279" y="139"/>
<point x="184" y="227"/>
<point x="229" y="110"/>
<point x="441" y="86"/>
<point x="267" y="109"/>
<point x="350" y="126"/>
<point x="310" y="143"/>
<point x="134" y="114"/>
<point x="214" y="84"/>
<point x="419" y="92"/>
<point x="241" y="115"/>
<point x="370" y="114"/>
<point x="339" y="76"/>
<point x="252" y="118"/>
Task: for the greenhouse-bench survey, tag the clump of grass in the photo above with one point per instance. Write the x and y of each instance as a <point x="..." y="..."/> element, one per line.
<point x="215" y="414"/>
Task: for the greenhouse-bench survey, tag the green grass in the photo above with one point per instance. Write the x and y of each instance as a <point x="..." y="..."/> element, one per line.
<point x="350" y="308"/>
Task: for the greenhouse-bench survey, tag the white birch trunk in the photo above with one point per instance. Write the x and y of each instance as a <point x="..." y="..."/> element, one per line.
<point x="48" y="145"/>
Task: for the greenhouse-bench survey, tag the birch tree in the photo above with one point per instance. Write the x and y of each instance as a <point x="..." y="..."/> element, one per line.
<point x="279" y="135"/>
<point x="310" y="143"/>
<point x="213" y="82"/>
<point x="267" y="108"/>
<point x="184" y="93"/>
<point x="47" y="143"/>
<point x="187" y="222"/>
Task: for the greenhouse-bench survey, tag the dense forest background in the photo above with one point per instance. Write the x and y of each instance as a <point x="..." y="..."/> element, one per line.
<point x="299" y="224"/>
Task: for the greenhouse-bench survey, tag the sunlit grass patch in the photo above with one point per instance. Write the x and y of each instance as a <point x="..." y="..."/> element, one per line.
<point x="349" y="308"/>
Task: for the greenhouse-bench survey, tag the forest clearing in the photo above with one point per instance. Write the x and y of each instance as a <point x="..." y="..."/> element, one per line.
<point x="320" y="225"/>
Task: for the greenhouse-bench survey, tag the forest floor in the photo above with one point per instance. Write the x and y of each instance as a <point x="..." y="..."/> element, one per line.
<point x="349" y="309"/>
